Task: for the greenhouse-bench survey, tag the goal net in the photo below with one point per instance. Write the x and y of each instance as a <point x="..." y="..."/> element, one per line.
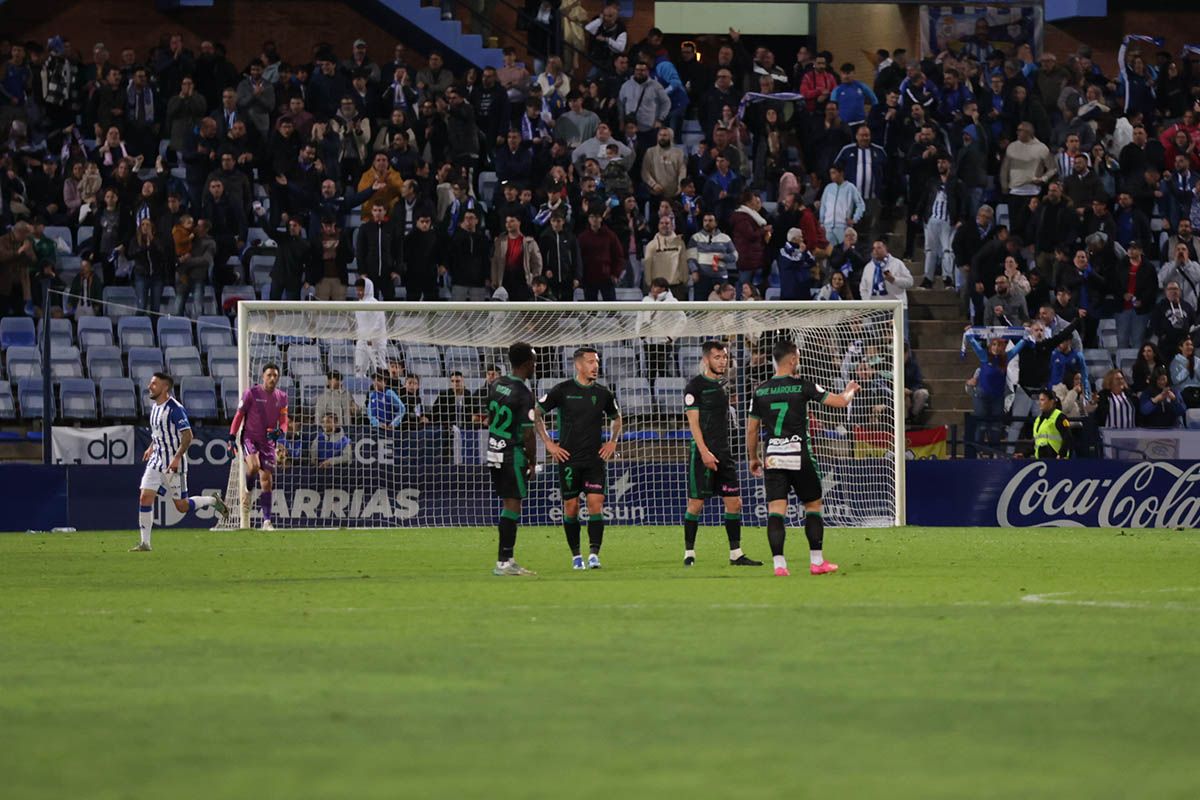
<point x="338" y="467"/>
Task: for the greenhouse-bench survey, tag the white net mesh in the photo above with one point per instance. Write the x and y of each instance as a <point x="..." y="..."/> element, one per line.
<point x="429" y="469"/>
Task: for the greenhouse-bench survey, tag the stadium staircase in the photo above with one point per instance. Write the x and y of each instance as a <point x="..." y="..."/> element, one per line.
<point x="423" y="29"/>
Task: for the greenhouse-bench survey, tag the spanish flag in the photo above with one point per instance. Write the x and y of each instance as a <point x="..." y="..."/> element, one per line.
<point x="928" y="443"/>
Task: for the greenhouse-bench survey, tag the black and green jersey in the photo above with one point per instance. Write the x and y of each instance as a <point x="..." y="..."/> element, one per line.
<point x="510" y="413"/>
<point x="582" y="414"/>
<point x="781" y="404"/>
<point x="708" y="396"/>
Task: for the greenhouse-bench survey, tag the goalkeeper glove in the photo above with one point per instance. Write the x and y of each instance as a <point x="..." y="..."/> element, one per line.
<point x="274" y="435"/>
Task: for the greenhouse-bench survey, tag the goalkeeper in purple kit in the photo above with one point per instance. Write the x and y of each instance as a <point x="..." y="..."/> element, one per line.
<point x="262" y="419"/>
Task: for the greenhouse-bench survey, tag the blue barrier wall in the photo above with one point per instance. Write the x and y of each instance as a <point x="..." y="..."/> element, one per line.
<point x="1093" y="493"/>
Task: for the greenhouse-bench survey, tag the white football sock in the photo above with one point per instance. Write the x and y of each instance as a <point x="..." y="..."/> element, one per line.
<point x="735" y="554"/>
<point x="501" y="564"/>
<point x="145" y="522"/>
<point x="780" y="562"/>
<point x="201" y="501"/>
<point x="815" y="558"/>
<point x="689" y="553"/>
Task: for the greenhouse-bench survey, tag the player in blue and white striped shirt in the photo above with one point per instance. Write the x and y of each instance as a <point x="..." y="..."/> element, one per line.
<point x="166" y="459"/>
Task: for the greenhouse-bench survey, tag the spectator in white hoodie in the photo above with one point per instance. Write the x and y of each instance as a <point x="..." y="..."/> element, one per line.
<point x="370" y="348"/>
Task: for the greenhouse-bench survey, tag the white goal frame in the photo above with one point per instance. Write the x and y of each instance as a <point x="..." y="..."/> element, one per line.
<point x="896" y="307"/>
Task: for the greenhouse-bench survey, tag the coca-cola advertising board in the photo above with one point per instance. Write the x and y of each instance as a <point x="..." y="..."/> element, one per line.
<point x="1070" y="493"/>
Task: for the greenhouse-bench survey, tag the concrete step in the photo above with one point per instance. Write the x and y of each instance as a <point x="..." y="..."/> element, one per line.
<point x="948" y="392"/>
<point x="932" y="360"/>
<point x="943" y="416"/>
<point x="935" y="334"/>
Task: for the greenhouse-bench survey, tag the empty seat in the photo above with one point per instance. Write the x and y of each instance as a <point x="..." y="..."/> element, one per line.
<point x="261" y="355"/>
<point x="231" y="294"/>
<point x="1193" y="418"/>
<point x="135" y="332"/>
<point x="144" y="362"/>
<point x="424" y="360"/>
<point x="230" y="397"/>
<point x="213" y="331"/>
<point x="24" y="362"/>
<point x="341" y="358"/>
<point x="104" y="361"/>
<point x="95" y="331"/>
<point x="8" y="406"/>
<point x="16" y="332"/>
<point x="29" y="398"/>
<point x="1106" y="325"/>
<point x="65" y="363"/>
<point x="183" y="362"/>
<point x="199" y="396"/>
<point x="465" y="360"/>
<point x="689" y="359"/>
<point x="174" y="332"/>
<point x="304" y="359"/>
<point x="118" y="398"/>
<point x="629" y="294"/>
<point x="1099" y="356"/>
<point x="119" y="301"/>
<point x="63" y="238"/>
<point x="668" y="395"/>
<point x="223" y="363"/>
<point x="620" y="361"/>
<point x="635" y="397"/>
<point x="61" y="333"/>
<point x="310" y="387"/>
<point x="78" y="397"/>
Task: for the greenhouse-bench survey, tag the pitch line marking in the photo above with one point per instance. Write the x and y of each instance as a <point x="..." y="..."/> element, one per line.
<point x="1063" y="599"/>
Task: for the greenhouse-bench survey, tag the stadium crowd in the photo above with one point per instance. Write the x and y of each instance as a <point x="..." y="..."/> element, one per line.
<point x="1058" y="201"/>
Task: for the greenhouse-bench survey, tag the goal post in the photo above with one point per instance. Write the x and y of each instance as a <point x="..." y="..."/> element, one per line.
<point x="428" y="467"/>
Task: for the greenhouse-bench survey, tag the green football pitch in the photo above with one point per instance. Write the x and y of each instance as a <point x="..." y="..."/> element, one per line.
<point x="945" y="663"/>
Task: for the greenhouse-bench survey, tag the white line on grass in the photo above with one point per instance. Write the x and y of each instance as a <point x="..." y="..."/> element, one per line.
<point x="1064" y="599"/>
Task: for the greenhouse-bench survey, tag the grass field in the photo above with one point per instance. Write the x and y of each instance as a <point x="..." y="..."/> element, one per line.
<point x="948" y="663"/>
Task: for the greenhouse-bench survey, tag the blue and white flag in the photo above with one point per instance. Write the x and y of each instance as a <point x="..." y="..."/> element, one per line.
<point x="754" y="97"/>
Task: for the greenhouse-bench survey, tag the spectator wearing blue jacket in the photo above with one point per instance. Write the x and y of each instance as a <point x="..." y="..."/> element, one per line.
<point x="794" y="265"/>
<point x="853" y="97"/>
<point x="668" y="76"/>
<point x="1160" y="406"/>
<point x="331" y="445"/>
<point x="991" y="385"/>
<point x="865" y="166"/>
<point x="1066" y="360"/>
<point x="385" y="409"/>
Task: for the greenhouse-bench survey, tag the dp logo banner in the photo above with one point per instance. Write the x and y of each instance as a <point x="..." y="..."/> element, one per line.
<point x="111" y="445"/>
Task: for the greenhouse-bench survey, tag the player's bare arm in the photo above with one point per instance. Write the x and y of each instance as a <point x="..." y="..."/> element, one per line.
<point x="557" y="453"/>
<point x="185" y="441"/>
<point x="530" y="443"/>
<point x="706" y="455"/>
<point x="609" y="448"/>
<point x="752" y="446"/>
<point x="842" y="400"/>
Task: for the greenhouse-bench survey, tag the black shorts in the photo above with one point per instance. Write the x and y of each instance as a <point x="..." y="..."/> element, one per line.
<point x="587" y="478"/>
<point x="509" y="478"/>
<point x="806" y="482"/>
<point x="704" y="483"/>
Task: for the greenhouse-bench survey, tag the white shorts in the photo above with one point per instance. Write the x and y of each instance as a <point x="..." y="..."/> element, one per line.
<point x="164" y="483"/>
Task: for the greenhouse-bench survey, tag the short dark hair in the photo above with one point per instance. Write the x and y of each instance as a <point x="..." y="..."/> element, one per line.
<point x="580" y="352"/>
<point x="456" y="374"/>
<point x="520" y="354"/>
<point x="165" y="378"/>
<point x="661" y="283"/>
<point x="712" y="345"/>
<point x="783" y="349"/>
<point x="333" y="375"/>
<point x="269" y="365"/>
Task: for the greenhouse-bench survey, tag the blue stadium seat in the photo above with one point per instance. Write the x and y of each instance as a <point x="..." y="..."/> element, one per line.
<point x="310" y="387"/>
<point x="61" y="333"/>
<point x="260" y="355"/>
<point x="341" y="358"/>
<point x="119" y="301"/>
<point x="689" y="359"/>
<point x="465" y="360"/>
<point x="1193" y="418"/>
<point x="199" y="395"/>
<point x="629" y="294"/>
<point x="16" y="332"/>
<point x="230" y="397"/>
<point x="78" y="396"/>
<point x="118" y="398"/>
<point x="104" y="361"/>
<point x="223" y="364"/>
<point x="358" y="387"/>
<point x="8" y="406"/>
<point x="24" y="362"/>
<point x="183" y="362"/>
<point x="174" y="332"/>
<point x="135" y="332"/>
<point x="233" y="293"/>
<point x="213" y="331"/>
<point x="95" y="331"/>
<point x="29" y="398"/>
<point x="424" y="360"/>
<point x="57" y="232"/>
<point x="144" y="362"/>
<point x="304" y="359"/>
<point x="620" y="361"/>
<point x="635" y="396"/>
<point x="668" y="395"/>
<point x="65" y="363"/>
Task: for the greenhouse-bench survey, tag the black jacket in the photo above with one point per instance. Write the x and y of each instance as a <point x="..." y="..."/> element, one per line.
<point x="968" y="240"/>
<point x="344" y="254"/>
<point x="292" y="257"/>
<point x="378" y="248"/>
<point x="954" y="200"/>
<point x="1052" y="225"/>
<point x="1145" y="286"/>
<point x="561" y="258"/>
<point x="468" y="258"/>
<point x="422" y="255"/>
